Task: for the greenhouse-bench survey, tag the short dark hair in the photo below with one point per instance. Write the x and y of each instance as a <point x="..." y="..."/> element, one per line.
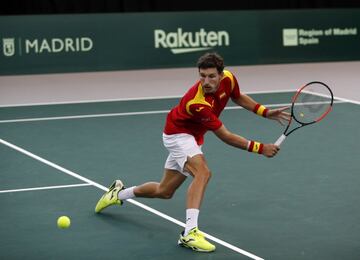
<point x="211" y="60"/>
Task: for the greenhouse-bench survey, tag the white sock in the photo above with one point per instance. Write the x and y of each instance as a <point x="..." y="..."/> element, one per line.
<point x="127" y="193"/>
<point x="191" y="220"/>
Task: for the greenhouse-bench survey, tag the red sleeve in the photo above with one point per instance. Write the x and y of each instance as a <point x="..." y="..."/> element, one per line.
<point x="203" y="115"/>
<point x="235" y="94"/>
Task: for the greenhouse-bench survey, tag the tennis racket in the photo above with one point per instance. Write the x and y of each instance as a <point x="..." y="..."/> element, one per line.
<point x="310" y="105"/>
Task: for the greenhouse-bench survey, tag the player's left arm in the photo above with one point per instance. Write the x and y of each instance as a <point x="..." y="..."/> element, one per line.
<point x="278" y="114"/>
<point x="268" y="150"/>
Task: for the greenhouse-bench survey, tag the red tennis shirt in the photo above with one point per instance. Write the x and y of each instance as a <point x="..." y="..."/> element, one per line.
<point x="198" y="112"/>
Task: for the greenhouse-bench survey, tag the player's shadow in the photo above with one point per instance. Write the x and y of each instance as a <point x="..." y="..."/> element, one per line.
<point x="143" y="222"/>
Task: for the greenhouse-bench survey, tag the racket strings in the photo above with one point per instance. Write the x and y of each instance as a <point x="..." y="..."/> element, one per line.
<point x="312" y="103"/>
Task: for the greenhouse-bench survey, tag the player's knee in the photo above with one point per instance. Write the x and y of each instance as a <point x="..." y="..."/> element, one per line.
<point x="208" y="175"/>
<point x="203" y="175"/>
<point x="165" y="194"/>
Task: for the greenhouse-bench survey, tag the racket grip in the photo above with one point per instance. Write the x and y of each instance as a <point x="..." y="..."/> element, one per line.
<point x="280" y="140"/>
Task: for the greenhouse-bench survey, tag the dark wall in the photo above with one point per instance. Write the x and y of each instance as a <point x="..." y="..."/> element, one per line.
<point x="13" y="7"/>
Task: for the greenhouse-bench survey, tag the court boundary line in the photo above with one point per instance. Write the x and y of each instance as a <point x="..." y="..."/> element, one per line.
<point x="47" y="188"/>
<point x="131" y="113"/>
<point x="348" y="100"/>
<point x="152" y="98"/>
<point x="130" y="99"/>
<point x="139" y="204"/>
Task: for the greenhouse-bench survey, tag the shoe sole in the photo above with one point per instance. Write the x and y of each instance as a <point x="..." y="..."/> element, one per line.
<point x="182" y="244"/>
<point x="105" y="206"/>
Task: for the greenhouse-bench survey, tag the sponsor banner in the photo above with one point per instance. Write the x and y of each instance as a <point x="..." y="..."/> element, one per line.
<point x="185" y="42"/>
<point x="73" y="43"/>
<point x="296" y="37"/>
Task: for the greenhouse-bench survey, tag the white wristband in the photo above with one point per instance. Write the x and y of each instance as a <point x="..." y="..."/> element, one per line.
<point x="248" y="145"/>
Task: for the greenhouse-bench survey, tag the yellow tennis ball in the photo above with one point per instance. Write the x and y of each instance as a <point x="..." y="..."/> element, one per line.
<point x="63" y="222"/>
<point x="302" y="114"/>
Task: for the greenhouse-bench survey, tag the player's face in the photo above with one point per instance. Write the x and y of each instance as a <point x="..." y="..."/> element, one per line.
<point x="210" y="79"/>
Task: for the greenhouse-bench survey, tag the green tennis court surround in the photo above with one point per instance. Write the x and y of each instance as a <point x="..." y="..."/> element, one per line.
<point x="298" y="205"/>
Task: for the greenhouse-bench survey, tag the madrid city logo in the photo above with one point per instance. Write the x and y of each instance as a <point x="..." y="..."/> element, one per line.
<point x="8" y="47"/>
<point x="45" y="46"/>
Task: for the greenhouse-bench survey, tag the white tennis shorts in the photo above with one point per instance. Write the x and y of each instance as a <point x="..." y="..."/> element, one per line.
<point x="180" y="147"/>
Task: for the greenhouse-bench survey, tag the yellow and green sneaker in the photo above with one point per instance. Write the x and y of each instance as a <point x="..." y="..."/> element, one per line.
<point x="196" y="241"/>
<point x="110" y="197"/>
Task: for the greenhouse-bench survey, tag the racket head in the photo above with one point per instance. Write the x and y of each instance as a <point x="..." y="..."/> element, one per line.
<point x="312" y="103"/>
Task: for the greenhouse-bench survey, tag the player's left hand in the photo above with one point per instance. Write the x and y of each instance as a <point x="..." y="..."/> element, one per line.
<point x="270" y="150"/>
<point x="279" y="115"/>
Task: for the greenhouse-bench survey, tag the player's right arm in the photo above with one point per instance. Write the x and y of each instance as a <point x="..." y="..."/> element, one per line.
<point x="269" y="150"/>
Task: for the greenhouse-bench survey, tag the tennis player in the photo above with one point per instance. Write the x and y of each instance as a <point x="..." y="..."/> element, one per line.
<point x="183" y="136"/>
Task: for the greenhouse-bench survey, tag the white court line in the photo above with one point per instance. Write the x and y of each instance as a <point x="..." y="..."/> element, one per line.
<point x="130" y="99"/>
<point x="345" y="100"/>
<point x="84" y="116"/>
<point x="156" y="212"/>
<point x="130" y="113"/>
<point x="47" y="188"/>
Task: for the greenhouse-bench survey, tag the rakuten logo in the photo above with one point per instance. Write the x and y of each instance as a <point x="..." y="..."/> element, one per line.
<point x="184" y="42"/>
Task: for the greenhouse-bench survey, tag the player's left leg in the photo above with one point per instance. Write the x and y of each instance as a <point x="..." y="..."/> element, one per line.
<point x="110" y="197"/>
<point x="170" y="182"/>
<point x="116" y="194"/>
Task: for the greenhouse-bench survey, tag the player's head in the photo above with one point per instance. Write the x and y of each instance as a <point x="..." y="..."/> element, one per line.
<point x="211" y="66"/>
<point x="211" y="60"/>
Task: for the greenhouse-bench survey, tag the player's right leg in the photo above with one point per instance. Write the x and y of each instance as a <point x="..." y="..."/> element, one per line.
<point x="192" y="237"/>
<point x="186" y="157"/>
<point x="198" y="168"/>
<point x="195" y="240"/>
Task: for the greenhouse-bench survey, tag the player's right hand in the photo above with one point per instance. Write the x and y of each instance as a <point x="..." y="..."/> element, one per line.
<point x="270" y="150"/>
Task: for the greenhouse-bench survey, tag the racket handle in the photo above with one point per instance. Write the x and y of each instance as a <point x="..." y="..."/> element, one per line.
<point x="280" y="140"/>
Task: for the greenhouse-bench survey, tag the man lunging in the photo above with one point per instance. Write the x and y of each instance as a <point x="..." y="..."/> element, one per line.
<point x="183" y="135"/>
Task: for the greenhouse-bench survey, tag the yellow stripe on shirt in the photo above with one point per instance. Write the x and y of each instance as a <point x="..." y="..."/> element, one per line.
<point x="198" y="99"/>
